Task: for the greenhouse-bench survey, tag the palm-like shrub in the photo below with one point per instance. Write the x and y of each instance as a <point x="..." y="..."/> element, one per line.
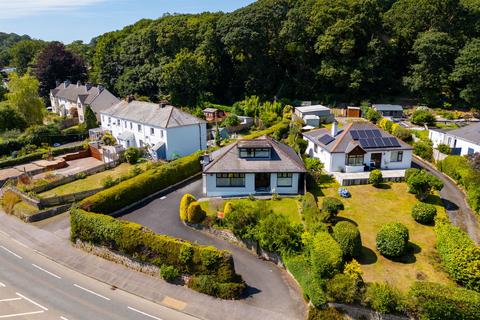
<point x="392" y="240"/>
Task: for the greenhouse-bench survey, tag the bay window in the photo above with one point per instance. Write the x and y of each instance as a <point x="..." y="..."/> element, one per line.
<point x="354" y="160"/>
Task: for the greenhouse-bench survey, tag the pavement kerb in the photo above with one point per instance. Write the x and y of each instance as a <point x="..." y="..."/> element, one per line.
<point x="109" y="284"/>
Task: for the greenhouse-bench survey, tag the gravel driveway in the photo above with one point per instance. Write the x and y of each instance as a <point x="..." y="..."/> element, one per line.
<point x="269" y="287"/>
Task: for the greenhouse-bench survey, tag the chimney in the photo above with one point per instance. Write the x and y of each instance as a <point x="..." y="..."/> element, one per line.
<point x="88" y="86"/>
<point x="79" y="83"/>
<point x="66" y="83"/>
<point x="163" y="104"/>
<point x="334" y="131"/>
<point x="100" y="88"/>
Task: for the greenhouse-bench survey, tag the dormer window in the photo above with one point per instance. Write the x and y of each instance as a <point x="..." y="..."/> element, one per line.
<point x="262" y="153"/>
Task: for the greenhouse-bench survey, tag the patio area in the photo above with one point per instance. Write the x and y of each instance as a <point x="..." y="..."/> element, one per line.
<point x="355" y="178"/>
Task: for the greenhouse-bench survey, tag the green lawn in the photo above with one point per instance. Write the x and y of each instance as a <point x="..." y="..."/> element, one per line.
<point x="89" y="183"/>
<point x="370" y="208"/>
<point x="285" y="206"/>
<point x="24" y="208"/>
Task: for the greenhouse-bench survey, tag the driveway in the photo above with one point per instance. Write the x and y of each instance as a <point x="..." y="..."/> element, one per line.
<point x="458" y="211"/>
<point x="269" y="287"/>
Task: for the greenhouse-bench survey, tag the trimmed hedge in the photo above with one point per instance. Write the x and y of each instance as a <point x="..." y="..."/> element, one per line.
<point x="384" y="298"/>
<point x="392" y="240"/>
<point x="311" y="284"/>
<point x="143" y="185"/>
<point x="460" y="256"/>
<point x="349" y="239"/>
<point x="424" y="213"/>
<point x="195" y="213"/>
<point x="209" y="285"/>
<point x="187" y="199"/>
<point x="37" y="156"/>
<point x="434" y="301"/>
<point x="281" y="127"/>
<point x="144" y="245"/>
<point x="326" y="255"/>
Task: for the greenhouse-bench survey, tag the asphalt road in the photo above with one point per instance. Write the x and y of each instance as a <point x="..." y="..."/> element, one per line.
<point x="269" y="287"/>
<point x="34" y="287"/>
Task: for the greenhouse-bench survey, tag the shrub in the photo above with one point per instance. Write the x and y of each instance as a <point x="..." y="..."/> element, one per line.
<point x="445" y="149"/>
<point x="9" y="200"/>
<point x="243" y="218"/>
<point x="331" y="207"/>
<point x="328" y="313"/>
<point x="195" y="213"/>
<point x="287" y="237"/>
<point x="326" y="255"/>
<point x="136" y="241"/>
<point x="435" y="301"/>
<point x="187" y="199"/>
<point x="143" y="185"/>
<point x="372" y="115"/>
<point x="401" y="133"/>
<point x="343" y="289"/>
<point x="211" y="286"/>
<point x="423" y="116"/>
<point x="375" y="177"/>
<point x="169" y="273"/>
<point x="424" y="150"/>
<point x="310" y="282"/>
<point x="135" y="171"/>
<point x="422" y="183"/>
<point x="349" y="239"/>
<point x="456" y="167"/>
<point x="473" y="197"/>
<point x="392" y="240"/>
<point x="108" y="139"/>
<point x="108" y="182"/>
<point x="311" y="213"/>
<point x="460" y="256"/>
<point x="383" y="298"/>
<point x="424" y="213"/>
<point x="385" y="124"/>
<point x="132" y="155"/>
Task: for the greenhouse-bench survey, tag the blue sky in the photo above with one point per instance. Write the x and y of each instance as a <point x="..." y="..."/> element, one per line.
<point x="68" y="20"/>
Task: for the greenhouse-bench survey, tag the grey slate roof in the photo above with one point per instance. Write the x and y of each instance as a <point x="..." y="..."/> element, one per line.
<point x="98" y="98"/>
<point x="343" y="138"/>
<point x="470" y="133"/>
<point x="387" y="107"/>
<point x="283" y="159"/>
<point x="151" y="114"/>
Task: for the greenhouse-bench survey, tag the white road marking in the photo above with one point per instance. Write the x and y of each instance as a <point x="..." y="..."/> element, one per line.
<point x="2" y="285"/>
<point x="21" y="314"/>
<point x="10" y="299"/>
<point x="63" y="318"/>
<point x="46" y="271"/>
<point x="92" y="292"/>
<point x="145" y="314"/>
<point x="163" y="198"/>
<point x="31" y="301"/>
<point x="11" y="252"/>
<point x="5" y="234"/>
<point x="20" y="243"/>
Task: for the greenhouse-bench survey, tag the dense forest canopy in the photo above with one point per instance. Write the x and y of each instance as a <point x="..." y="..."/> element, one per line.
<point x="332" y="51"/>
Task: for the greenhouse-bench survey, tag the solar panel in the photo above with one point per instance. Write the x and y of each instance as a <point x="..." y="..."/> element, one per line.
<point x="394" y="142"/>
<point x="372" y="143"/>
<point x="380" y="142"/>
<point x="369" y="133"/>
<point x="362" y="134"/>
<point x="387" y="142"/>
<point x="363" y="143"/>
<point x="377" y="133"/>
<point x="354" y="134"/>
<point x="326" y="139"/>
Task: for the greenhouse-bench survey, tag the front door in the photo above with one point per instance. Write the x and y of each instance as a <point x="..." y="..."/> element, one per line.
<point x="377" y="159"/>
<point x="262" y="182"/>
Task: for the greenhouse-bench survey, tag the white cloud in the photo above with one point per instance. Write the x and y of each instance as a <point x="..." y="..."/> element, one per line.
<point x="18" y="8"/>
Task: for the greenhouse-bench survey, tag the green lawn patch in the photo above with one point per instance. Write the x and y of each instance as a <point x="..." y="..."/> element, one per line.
<point x="22" y="208"/>
<point x="89" y="183"/>
<point x="285" y="206"/>
<point x="370" y="208"/>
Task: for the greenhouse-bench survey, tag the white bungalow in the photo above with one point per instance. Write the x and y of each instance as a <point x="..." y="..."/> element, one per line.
<point x="260" y="166"/>
<point x="462" y="141"/>
<point x="359" y="147"/>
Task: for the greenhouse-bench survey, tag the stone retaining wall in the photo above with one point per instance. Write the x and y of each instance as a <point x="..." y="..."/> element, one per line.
<point x="68" y="198"/>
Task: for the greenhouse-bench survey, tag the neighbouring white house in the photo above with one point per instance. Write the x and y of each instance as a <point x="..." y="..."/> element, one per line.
<point x="314" y="115"/>
<point x="70" y="100"/>
<point x="164" y="130"/>
<point x="256" y="167"/>
<point x="462" y="141"/>
<point x="358" y="147"/>
<point x="389" y="110"/>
